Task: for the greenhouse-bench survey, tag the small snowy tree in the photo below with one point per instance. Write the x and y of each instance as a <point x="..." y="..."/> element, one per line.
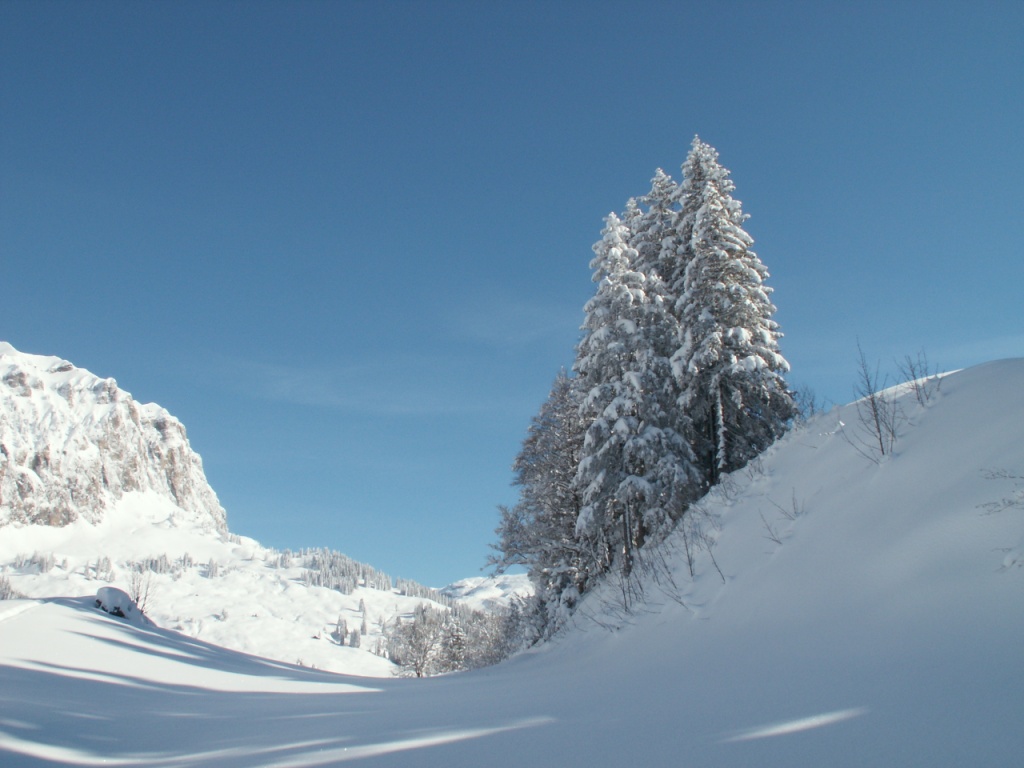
<point x="340" y="631"/>
<point x="414" y="644"/>
<point x="140" y="582"/>
<point x="7" y="592"/>
<point x="454" y="651"/>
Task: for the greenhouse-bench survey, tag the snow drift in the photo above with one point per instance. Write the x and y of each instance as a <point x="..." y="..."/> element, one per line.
<point x="857" y="612"/>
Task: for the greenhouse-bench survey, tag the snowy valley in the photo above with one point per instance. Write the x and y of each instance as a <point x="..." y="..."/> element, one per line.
<point x="851" y="609"/>
<point x="96" y="490"/>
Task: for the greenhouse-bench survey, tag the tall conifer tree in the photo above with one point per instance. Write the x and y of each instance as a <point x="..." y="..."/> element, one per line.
<point x="636" y="468"/>
<point x="679" y="379"/>
<point x="728" y="367"/>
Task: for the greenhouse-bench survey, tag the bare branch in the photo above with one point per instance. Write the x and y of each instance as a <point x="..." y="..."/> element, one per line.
<point x="770" y="532"/>
<point x="795" y="510"/>
<point x="879" y="416"/>
<point x="916" y="372"/>
<point x="1015" y="499"/>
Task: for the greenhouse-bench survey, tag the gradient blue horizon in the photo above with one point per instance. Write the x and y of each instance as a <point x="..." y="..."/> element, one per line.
<point x="347" y="244"/>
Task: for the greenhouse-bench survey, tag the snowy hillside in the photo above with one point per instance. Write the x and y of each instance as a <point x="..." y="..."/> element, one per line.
<point x="221" y="588"/>
<point x="96" y="489"/>
<point x="859" y="610"/>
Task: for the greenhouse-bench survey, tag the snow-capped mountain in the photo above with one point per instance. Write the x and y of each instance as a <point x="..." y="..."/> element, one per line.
<point x="73" y="444"/>
<point x="489" y="592"/>
<point x="97" y="489"/>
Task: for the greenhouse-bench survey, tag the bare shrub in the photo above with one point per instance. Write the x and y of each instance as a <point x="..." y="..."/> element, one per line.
<point x="140" y="581"/>
<point x="807" y="403"/>
<point x="796" y="507"/>
<point x="923" y="380"/>
<point x="879" y="416"/>
<point x="769" y="530"/>
<point x="7" y="592"/>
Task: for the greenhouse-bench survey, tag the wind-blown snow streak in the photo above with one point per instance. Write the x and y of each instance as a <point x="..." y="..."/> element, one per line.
<point x="308" y="754"/>
<point x="796" y="726"/>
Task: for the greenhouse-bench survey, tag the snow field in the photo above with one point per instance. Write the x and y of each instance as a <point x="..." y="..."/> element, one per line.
<point x="251" y="605"/>
<point x="878" y="626"/>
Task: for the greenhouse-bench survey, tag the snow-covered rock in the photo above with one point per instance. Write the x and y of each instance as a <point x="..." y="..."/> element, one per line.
<point x="73" y="444"/>
<point x="116" y="602"/>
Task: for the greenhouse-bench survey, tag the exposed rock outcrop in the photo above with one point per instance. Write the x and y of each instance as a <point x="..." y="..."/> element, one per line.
<point x="71" y="444"/>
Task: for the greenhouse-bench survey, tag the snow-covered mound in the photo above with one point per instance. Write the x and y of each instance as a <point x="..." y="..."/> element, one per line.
<point x="859" y="611"/>
<point x="73" y="444"/>
<point x="117" y="602"/>
<point x="487" y="593"/>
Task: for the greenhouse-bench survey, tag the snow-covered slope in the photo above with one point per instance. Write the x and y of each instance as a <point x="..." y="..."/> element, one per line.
<point x="219" y="587"/>
<point x="72" y="444"/>
<point x="862" y="612"/>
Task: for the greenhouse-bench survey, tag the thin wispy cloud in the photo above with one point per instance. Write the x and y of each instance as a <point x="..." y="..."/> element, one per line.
<point x="981" y="350"/>
<point x="514" y="323"/>
<point x="404" y="386"/>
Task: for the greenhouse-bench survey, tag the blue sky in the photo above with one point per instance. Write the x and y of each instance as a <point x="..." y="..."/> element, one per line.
<point x="347" y="243"/>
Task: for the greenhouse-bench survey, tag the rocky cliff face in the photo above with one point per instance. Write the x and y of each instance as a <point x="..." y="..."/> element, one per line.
<point x="71" y="444"/>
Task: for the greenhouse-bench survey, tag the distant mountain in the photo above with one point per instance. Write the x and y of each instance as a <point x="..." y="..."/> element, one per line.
<point x="487" y="593"/>
<point x="73" y="444"/>
<point x="97" y="489"/>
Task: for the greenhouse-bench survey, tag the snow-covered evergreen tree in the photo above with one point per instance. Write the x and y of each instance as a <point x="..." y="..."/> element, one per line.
<point x="636" y="469"/>
<point x="661" y="257"/>
<point x="651" y="221"/>
<point x="434" y="641"/>
<point x="340" y="630"/>
<point x="454" y="651"/>
<point x="539" y="532"/>
<point x="728" y="366"/>
<point x="679" y="378"/>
